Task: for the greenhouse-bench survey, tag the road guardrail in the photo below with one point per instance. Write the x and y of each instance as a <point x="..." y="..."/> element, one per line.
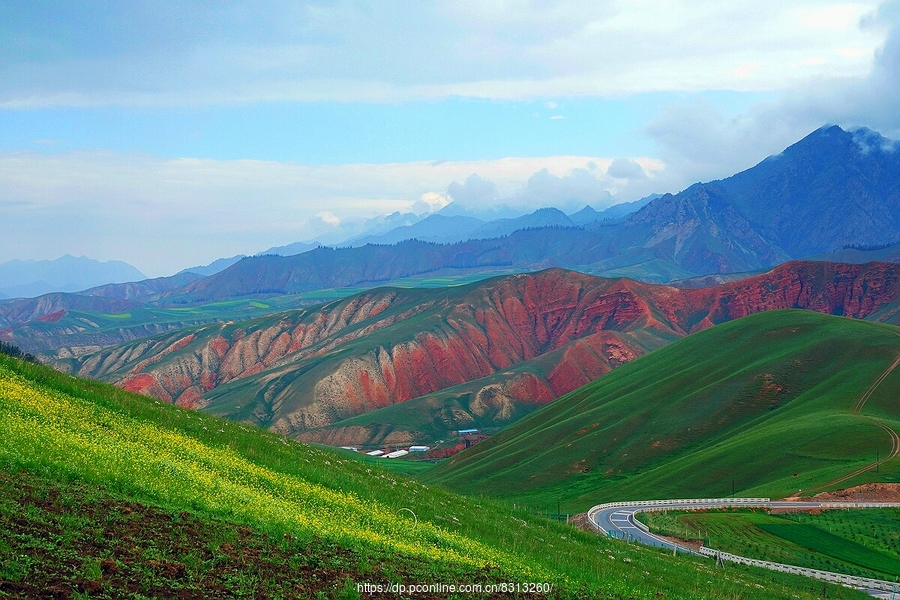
<point x="845" y="580"/>
<point x="701" y="504"/>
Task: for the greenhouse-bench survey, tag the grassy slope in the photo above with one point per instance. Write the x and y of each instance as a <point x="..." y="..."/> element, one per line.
<point x="70" y="430"/>
<point x="58" y="536"/>
<point x="764" y="402"/>
<point x="862" y="543"/>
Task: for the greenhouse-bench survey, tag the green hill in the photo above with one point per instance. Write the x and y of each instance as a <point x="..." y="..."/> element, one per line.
<point x="123" y="490"/>
<point x="764" y="403"/>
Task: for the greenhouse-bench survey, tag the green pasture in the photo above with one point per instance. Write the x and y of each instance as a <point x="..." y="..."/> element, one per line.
<point x="71" y="431"/>
<point x="865" y="542"/>
<point x="761" y="405"/>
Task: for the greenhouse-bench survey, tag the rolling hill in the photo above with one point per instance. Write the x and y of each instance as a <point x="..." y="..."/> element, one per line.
<point x="91" y="467"/>
<point x="533" y="337"/>
<point x="772" y="403"/>
<point x="831" y="196"/>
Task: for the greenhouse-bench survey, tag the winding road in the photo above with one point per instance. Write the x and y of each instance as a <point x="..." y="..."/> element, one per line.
<point x="617" y="519"/>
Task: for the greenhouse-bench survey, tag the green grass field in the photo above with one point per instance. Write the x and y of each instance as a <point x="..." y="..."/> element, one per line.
<point x="86" y="454"/>
<point x="860" y="542"/>
<point x="763" y="404"/>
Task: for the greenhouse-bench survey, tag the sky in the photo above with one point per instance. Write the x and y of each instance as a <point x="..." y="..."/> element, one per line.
<point x="168" y="133"/>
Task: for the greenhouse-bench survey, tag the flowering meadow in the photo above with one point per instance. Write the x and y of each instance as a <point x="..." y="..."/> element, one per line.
<point x="43" y="428"/>
<point x="70" y="429"/>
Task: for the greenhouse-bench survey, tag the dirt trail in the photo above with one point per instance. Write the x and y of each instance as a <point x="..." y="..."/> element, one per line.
<point x="868" y="393"/>
<point x="857" y="410"/>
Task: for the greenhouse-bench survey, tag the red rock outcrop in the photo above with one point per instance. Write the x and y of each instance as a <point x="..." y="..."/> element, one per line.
<point x="311" y="368"/>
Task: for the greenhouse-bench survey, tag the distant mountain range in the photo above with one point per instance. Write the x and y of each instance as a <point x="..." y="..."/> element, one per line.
<point x="220" y="264"/>
<point x="29" y="278"/>
<point x="302" y="372"/>
<point x="830" y="190"/>
<point x="451" y="228"/>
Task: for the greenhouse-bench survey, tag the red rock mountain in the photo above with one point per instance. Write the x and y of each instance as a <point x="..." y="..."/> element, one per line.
<point x="534" y="337"/>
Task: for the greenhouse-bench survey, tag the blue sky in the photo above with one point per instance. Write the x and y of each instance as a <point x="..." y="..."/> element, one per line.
<point x="170" y="133"/>
<point x="343" y="132"/>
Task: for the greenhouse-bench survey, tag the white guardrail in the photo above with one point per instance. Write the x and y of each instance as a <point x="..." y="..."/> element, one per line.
<point x="650" y="505"/>
<point x="845" y="580"/>
<point x="828" y="576"/>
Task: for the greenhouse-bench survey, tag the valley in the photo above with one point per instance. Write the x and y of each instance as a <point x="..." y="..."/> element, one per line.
<point x="678" y="347"/>
<point x="404" y="366"/>
<point x="177" y="470"/>
<point x="770" y="413"/>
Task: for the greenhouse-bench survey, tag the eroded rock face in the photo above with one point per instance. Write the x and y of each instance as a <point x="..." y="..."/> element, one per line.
<point x="310" y="368"/>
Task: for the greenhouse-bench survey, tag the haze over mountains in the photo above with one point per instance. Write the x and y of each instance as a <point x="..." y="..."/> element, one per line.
<point x="832" y="189"/>
<point x="27" y="278"/>
<point x="507" y="342"/>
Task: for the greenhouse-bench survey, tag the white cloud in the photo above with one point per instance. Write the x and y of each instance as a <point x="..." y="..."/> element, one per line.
<point x="698" y="142"/>
<point x="328" y="218"/>
<point x="386" y="52"/>
<point x="833" y="18"/>
<point x="164" y="214"/>
<point x="431" y="202"/>
<point x="625" y="168"/>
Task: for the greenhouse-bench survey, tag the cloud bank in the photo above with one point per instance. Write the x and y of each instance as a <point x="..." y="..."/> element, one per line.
<point x="147" y="52"/>
<point x="700" y="143"/>
<point x="164" y="214"/>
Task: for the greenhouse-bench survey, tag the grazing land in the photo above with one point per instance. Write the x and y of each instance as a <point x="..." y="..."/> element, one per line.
<point x="89" y="456"/>
<point x="859" y="542"/>
<point x="765" y="406"/>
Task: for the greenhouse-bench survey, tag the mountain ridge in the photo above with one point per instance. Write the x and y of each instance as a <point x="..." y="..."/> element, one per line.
<point x="831" y="189"/>
<point x="310" y="368"/>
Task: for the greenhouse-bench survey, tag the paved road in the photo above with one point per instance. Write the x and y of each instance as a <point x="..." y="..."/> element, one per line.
<point x="618" y="520"/>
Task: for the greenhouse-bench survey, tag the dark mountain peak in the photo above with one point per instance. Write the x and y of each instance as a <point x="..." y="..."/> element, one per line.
<point x="834" y="143"/>
<point x="585" y="215"/>
<point x="548" y="211"/>
<point x="830" y="189"/>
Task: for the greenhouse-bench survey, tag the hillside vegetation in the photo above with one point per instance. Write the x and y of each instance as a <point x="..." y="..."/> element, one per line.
<point x="767" y="404"/>
<point x="857" y="542"/>
<point x="504" y="346"/>
<point x="83" y="444"/>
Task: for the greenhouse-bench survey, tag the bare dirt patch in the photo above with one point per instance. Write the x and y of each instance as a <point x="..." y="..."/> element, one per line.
<point x="66" y="540"/>
<point x="868" y="492"/>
